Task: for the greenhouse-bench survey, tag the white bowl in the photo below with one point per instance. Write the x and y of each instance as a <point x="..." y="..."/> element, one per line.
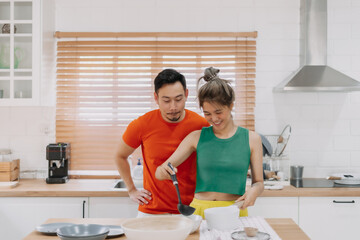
<point x="83" y="232"/>
<point x="196" y="222"/>
<point x="158" y="228"/>
<point x="222" y="218"/>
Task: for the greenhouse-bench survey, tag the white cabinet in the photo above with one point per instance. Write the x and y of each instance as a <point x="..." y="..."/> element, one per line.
<point x="330" y="217"/>
<point x="275" y="207"/>
<point x="20" y="50"/>
<point x="20" y="215"/>
<point x="112" y="207"/>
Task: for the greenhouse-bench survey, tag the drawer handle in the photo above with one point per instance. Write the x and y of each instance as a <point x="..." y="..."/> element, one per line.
<point x="84" y="202"/>
<point x="334" y="201"/>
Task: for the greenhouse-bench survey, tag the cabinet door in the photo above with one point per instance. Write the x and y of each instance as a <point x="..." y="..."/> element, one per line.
<point x="19" y="52"/>
<point x="112" y="207"/>
<point x="275" y="207"/>
<point x="20" y="215"/>
<point x="330" y="217"/>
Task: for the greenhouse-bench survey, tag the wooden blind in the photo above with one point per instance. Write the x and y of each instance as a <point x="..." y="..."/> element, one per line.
<point x="105" y="80"/>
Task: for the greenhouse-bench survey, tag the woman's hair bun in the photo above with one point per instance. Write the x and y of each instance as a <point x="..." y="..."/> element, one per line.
<point x="210" y="73"/>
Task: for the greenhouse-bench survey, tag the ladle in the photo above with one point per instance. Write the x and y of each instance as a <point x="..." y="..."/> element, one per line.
<point x="183" y="209"/>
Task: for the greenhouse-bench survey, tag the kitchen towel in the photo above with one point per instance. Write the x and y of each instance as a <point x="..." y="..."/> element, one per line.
<point x="258" y="222"/>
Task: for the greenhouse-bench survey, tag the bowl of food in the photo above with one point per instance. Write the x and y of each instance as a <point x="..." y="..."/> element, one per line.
<point x="83" y="232"/>
<point x="158" y="228"/>
<point x="222" y="218"/>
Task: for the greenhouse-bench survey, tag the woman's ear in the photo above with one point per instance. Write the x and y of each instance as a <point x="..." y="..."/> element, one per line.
<point x="231" y="106"/>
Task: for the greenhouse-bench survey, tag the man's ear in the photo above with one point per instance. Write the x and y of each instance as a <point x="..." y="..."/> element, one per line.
<point x="156" y="97"/>
<point x="186" y="93"/>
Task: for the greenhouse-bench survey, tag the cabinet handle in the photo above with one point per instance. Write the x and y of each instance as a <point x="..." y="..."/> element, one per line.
<point x="84" y="202"/>
<point x="334" y="201"/>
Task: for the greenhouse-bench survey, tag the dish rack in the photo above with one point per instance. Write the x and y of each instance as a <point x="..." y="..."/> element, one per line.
<point x="274" y="163"/>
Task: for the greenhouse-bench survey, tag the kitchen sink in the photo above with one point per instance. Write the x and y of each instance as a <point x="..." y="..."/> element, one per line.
<point x="121" y="184"/>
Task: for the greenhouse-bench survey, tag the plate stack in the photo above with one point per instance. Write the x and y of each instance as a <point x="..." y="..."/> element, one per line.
<point x="83" y="232"/>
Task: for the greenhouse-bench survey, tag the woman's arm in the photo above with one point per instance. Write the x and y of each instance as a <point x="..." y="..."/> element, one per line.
<point x="184" y="150"/>
<point x="256" y="165"/>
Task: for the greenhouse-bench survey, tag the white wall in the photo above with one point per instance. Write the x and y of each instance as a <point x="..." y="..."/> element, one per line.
<point x="326" y="126"/>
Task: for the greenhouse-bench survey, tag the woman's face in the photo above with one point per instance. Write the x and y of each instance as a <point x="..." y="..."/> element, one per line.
<point x="217" y="115"/>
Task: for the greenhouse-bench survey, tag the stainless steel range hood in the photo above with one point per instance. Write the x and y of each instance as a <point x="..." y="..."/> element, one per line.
<point x="315" y="75"/>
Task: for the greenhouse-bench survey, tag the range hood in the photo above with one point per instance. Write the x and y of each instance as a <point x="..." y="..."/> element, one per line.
<point x="315" y="75"/>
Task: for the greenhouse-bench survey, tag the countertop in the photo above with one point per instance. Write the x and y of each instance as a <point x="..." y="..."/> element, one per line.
<point x="286" y="228"/>
<point x="104" y="188"/>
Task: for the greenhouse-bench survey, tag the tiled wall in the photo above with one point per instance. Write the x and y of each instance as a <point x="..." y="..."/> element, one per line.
<point x="326" y="126"/>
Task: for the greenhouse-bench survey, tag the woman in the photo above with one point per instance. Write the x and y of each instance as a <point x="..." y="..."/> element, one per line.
<point x="224" y="152"/>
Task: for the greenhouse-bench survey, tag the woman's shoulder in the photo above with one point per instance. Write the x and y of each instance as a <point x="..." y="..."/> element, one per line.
<point x="254" y="139"/>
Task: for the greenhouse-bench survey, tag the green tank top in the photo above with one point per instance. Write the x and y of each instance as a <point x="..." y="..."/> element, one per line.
<point x="222" y="164"/>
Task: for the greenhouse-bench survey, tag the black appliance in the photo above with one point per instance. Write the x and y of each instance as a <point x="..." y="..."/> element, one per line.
<point x="58" y="155"/>
<point x="319" y="183"/>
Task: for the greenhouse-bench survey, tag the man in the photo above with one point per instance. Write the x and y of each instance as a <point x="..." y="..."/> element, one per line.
<point x="159" y="132"/>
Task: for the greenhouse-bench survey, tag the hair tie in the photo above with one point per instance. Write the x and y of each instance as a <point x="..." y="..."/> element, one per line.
<point x="212" y="77"/>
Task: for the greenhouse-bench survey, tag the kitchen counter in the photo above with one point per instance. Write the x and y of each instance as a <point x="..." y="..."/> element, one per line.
<point x="104" y="188"/>
<point x="284" y="227"/>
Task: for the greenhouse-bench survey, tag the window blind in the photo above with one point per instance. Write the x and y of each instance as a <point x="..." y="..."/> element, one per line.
<point x="105" y="80"/>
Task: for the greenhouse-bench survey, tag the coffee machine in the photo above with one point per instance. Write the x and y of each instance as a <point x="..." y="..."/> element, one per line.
<point x="58" y="155"/>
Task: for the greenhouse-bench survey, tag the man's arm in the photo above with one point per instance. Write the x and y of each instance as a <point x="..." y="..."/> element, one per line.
<point x="123" y="166"/>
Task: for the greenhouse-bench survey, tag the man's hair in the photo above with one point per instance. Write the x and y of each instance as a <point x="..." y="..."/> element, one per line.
<point x="169" y="76"/>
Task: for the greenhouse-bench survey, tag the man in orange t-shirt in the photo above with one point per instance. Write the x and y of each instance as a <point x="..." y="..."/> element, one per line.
<point x="159" y="132"/>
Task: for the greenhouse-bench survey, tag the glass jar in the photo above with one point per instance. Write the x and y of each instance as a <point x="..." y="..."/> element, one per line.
<point x="5" y="155"/>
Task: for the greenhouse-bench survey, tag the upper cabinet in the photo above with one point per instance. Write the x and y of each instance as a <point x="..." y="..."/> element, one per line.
<point x="20" y="51"/>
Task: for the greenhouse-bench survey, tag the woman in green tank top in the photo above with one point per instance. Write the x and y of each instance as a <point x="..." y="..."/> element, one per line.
<point x="224" y="150"/>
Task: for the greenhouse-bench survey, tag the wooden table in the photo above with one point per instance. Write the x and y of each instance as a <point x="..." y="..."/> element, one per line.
<point x="286" y="228"/>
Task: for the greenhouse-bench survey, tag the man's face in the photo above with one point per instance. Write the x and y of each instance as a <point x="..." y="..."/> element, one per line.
<point x="171" y="99"/>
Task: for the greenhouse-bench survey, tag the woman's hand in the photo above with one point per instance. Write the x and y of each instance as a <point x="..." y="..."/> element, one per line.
<point x="251" y="194"/>
<point x="163" y="171"/>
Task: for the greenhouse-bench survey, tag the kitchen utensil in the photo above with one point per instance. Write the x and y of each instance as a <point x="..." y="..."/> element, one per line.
<point x="296" y="172"/>
<point x="222" y="218"/>
<point x="83" y="232"/>
<point x="267" y="148"/>
<point x="158" y="228"/>
<point x="282" y="140"/>
<point x="51" y="228"/>
<point x="183" y="209"/>
<point x="241" y="235"/>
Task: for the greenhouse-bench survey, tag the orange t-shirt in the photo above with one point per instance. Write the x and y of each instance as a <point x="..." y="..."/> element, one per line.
<point x="158" y="140"/>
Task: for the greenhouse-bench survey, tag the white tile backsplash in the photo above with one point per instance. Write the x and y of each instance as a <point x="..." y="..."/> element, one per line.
<point x="21" y="130"/>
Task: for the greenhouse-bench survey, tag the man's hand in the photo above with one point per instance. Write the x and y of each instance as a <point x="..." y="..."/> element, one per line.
<point x="140" y="196"/>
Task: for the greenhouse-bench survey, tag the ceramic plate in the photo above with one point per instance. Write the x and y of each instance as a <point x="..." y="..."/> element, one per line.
<point x="241" y="235"/>
<point x="115" y="231"/>
<point x="51" y="228"/>
<point x="348" y="181"/>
